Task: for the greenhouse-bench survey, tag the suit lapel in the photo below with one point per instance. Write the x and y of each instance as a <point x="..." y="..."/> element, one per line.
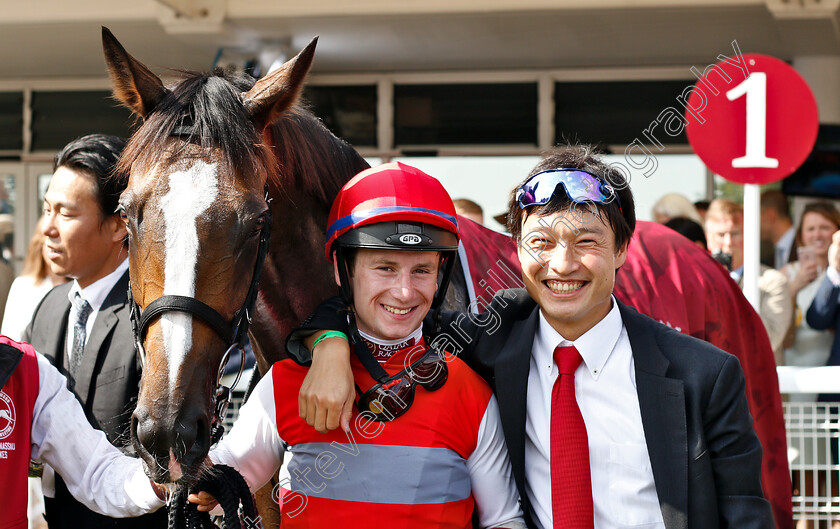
<point x="106" y="320"/>
<point x="511" y="380"/>
<point x="55" y="346"/>
<point x="662" y="405"/>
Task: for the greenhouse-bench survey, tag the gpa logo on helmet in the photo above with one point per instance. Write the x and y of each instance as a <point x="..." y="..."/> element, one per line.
<point x="410" y="238"/>
<point x="7" y="415"/>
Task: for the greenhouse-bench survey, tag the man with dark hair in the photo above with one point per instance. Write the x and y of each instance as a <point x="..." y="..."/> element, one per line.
<point x="83" y="327"/>
<point x="688" y="229"/>
<point x="776" y="225"/>
<point x="611" y="418"/>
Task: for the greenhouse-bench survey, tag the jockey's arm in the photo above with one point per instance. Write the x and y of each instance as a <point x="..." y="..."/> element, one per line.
<point x="327" y="394"/>
<point x="253" y="446"/>
<point x="96" y="473"/>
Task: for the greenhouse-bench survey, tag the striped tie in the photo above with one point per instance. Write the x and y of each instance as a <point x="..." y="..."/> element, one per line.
<point x="82" y="309"/>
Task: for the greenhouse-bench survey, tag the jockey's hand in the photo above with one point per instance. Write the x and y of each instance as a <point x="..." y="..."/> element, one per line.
<point x="205" y="501"/>
<point x="328" y="392"/>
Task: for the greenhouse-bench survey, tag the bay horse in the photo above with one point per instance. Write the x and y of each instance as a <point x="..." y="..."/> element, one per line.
<point x="217" y="162"/>
<point x="220" y="159"/>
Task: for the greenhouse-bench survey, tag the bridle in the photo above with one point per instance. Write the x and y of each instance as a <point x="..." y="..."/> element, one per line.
<point x="233" y="333"/>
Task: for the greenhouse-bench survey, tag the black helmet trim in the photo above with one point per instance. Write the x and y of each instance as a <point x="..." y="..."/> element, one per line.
<point x="394" y="235"/>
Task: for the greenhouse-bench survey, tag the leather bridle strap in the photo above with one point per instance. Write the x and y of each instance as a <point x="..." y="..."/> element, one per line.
<point x="186" y="304"/>
<point x="233" y="333"/>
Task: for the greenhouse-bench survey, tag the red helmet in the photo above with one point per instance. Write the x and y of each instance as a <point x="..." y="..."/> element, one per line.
<point x="393" y="206"/>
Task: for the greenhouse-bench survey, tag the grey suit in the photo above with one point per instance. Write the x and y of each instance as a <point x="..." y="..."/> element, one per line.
<point x="705" y="456"/>
<point x="106" y="384"/>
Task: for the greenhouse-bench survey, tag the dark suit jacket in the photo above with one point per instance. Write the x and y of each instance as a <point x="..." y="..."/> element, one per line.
<point x="705" y="456"/>
<point x="824" y="314"/>
<point x="106" y="385"/>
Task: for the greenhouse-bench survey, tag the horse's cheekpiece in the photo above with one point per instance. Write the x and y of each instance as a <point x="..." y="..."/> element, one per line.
<point x="393" y="396"/>
<point x="232" y="333"/>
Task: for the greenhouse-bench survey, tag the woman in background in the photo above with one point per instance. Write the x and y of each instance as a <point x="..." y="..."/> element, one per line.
<point x="34" y="281"/>
<point x="817" y="224"/>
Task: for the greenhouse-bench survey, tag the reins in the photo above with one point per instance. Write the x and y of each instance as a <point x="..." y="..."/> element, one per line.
<point x="231" y="491"/>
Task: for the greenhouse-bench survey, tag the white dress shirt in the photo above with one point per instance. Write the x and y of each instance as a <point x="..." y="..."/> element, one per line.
<point x="23" y="298"/>
<point x="96" y="473"/>
<point x="95" y="294"/>
<point x="623" y="490"/>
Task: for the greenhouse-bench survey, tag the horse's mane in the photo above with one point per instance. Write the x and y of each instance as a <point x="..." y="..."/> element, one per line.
<point x="206" y="110"/>
<point x="321" y="162"/>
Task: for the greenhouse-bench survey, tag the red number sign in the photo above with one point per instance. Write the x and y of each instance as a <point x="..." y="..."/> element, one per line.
<point x="753" y="128"/>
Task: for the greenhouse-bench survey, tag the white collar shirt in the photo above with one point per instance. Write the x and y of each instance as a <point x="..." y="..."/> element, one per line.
<point x="95" y="294"/>
<point x="623" y="490"/>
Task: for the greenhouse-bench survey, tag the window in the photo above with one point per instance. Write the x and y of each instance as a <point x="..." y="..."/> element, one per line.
<point x="11" y="121"/>
<point x="348" y="111"/>
<point x="615" y="113"/>
<point x="465" y="114"/>
<point x="59" y="117"/>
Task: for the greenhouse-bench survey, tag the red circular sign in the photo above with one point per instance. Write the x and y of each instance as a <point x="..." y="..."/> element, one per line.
<point x="751" y="118"/>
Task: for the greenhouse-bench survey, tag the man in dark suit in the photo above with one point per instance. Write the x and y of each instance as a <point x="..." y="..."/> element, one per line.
<point x="83" y="327"/>
<point x="824" y="312"/>
<point x="611" y="419"/>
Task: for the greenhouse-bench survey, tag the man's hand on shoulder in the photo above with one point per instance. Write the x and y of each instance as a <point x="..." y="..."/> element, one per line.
<point x="328" y="393"/>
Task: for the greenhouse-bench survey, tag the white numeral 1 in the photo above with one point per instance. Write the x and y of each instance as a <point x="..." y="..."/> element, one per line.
<point x="755" y="88"/>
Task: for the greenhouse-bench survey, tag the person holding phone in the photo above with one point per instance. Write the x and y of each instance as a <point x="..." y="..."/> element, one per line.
<point x="817" y="224"/>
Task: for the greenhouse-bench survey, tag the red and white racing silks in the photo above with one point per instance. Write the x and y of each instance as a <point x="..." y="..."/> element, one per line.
<point x="17" y="400"/>
<point x="428" y="468"/>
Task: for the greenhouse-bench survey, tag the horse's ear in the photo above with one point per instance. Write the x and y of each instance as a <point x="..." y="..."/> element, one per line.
<point x="135" y="86"/>
<point x="279" y="90"/>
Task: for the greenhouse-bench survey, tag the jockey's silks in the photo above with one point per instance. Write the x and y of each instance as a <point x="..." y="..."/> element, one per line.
<point x="410" y="472"/>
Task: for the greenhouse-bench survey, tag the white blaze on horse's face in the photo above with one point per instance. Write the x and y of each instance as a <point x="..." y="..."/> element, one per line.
<point x="191" y="192"/>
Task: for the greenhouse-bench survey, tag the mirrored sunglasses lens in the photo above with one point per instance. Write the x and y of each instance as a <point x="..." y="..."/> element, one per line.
<point x="578" y="185"/>
<point x="388" y="404"/>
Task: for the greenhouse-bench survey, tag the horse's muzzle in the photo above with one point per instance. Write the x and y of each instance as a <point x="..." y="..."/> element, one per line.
<point x="173" y="450"/>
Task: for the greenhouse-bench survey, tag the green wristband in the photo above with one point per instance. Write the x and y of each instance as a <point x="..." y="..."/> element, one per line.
<point x="330" y="334"/>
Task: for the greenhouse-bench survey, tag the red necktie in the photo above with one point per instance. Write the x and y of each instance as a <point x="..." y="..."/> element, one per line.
<point x="571" y="484"/>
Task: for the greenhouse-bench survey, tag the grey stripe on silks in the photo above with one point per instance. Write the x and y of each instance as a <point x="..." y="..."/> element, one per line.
<point x="403" y="475"/>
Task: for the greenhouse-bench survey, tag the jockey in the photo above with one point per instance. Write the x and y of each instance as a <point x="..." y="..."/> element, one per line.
<point x="41" y="419"/>
<point x="412" y="457"/>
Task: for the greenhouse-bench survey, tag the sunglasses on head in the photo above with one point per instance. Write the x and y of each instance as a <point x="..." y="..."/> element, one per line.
<point x="580" y="186"/>
<point x="392" y="397"/>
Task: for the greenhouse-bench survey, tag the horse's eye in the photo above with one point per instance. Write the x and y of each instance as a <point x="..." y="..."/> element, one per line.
<point x="260" y="223"/>
<point x="123" y="214"/>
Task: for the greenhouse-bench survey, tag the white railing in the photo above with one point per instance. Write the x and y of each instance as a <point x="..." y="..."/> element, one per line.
<point x="813" y="431"/>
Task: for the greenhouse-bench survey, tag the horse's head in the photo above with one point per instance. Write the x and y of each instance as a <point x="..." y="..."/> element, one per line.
<point x="196" y="210"/>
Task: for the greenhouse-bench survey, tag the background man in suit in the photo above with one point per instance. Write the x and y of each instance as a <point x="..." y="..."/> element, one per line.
<point x="666" y="438"/>
<point x="83" y="327"/>
<point x="725" y="234"/>
<point x="776" y="225"/>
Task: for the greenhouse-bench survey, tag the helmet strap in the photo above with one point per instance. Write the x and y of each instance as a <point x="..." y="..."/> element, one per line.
<point x="440" y="295"/>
